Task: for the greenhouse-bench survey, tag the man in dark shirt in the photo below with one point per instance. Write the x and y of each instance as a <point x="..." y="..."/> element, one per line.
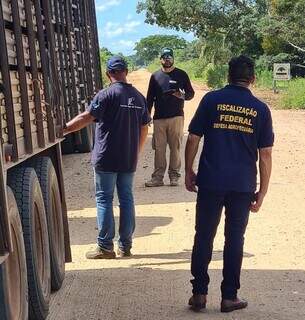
<point x="122" y="118"/>
<point x="168" y="88"/>
<point x="237" y="130"/>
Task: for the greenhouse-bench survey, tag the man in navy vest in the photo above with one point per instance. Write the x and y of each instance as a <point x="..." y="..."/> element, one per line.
<point x="122" y="119"/>
<point x="237" y="131"/>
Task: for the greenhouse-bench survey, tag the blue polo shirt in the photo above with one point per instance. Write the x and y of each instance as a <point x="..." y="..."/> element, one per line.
<point x="235" y="124"/>
<point x="120" y="112"/>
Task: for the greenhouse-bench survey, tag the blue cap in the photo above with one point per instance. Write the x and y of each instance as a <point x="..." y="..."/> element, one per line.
<point x="116" y="63"/>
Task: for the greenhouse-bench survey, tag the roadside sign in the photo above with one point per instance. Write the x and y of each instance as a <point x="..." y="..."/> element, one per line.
<point x="281" y="71"/>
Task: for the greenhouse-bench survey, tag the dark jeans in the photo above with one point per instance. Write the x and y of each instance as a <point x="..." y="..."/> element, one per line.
<point x="208" y="213"/>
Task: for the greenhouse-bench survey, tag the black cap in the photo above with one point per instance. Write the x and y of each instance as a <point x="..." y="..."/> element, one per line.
<point x="167" y="52"/>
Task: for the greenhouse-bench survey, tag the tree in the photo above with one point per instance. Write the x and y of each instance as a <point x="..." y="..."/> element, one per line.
<point x="283" y="32"/>
<point x="105" y="54"/>
<point x="147" y="49"/>
<point x="286" y="23"/>
<point x="234" y="22"/>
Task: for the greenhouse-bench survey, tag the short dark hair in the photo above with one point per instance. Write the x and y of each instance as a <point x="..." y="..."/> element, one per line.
<point x="116" y="71"/>
<point x="241" y="69"/>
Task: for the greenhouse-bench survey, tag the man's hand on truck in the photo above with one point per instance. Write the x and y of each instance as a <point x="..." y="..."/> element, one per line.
<point x="79" y="122"/>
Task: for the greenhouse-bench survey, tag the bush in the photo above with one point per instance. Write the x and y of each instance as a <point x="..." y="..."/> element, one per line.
<point x="266" y="62"/>
<point x="216" y="75"/>
<point x="191" y="68"/>
<point x="264" y="79"/>
<point x="294" y="97"/>
<point x="154" y="66"/>
<point x="198" y="67"/>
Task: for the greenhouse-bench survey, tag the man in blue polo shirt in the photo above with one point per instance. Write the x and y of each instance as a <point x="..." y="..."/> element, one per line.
<point x="237" y="131"/>
<point x="122" y="118"/>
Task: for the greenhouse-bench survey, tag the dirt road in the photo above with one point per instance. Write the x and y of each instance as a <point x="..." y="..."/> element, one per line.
<point x="154" y="283"/>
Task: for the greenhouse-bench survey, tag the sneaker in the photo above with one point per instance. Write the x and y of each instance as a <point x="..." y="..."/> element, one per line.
<point x="154" y="183"/>
<point x="198" y="302"/>
<point x="122" y="253"/>
<point x="100" y="253"/>
<point x="231" y="305"/>
<point x="174" y="182"/>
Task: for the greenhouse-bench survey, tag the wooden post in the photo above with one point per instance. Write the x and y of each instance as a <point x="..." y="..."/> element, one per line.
<point x="274" y="86"/>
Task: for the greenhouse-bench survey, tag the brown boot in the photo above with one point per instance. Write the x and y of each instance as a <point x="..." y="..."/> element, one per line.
<point x="100" y="253"/>
<point x="198" y="302"/>
<point x="154" y="183"/>
<point x="124" y="253"/>
<point x="231" y="305"/>
<point x="174" y="182"/>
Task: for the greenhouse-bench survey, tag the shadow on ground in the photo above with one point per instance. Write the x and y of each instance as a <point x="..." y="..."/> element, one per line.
<point x="83" y="230"/>
<point x="80" y="193"/>
<point x="179" y="257"/>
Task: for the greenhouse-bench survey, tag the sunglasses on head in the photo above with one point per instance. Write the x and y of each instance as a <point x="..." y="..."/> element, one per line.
<point x="167" y="57"/>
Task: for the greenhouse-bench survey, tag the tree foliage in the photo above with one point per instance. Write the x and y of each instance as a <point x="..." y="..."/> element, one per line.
<point x="149" y="48"/>
<point x="105" y="54"/>
<point x="283" y="31"/>
<point x="267" y="30"/>
<point x="286" y="23"/>
<point x="231" y="21"/>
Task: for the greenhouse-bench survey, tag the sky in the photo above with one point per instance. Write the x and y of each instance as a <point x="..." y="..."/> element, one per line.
<point x="120" y="27"/>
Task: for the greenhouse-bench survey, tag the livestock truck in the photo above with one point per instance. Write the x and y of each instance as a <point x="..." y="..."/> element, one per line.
<point x="49" y="72"/>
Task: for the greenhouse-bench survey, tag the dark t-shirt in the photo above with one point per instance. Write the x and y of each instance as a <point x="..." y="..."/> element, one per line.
<point x="235" y="124"/>
<point x="160" y="90"/>
<point x="120" y="112"/>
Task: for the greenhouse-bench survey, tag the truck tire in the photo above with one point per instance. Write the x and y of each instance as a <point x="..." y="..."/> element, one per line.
<point x="28" y="195"/>
<point x="68" y="145"/>
<point x="13" y="274"/>
<point x="50" y="190"/>
<point x="87" y="136"/>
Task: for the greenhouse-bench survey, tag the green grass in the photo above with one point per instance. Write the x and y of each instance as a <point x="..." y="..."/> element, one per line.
<point x="294" y="96"/>
<point x="264" y="79"/>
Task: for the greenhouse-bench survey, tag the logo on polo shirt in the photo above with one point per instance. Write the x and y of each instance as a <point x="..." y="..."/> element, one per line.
<point x="131" y="104"/>
<point x="131" y="101"/>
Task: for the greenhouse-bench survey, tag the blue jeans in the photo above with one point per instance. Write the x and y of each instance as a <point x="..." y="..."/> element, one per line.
<point x="105" y="183"/>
